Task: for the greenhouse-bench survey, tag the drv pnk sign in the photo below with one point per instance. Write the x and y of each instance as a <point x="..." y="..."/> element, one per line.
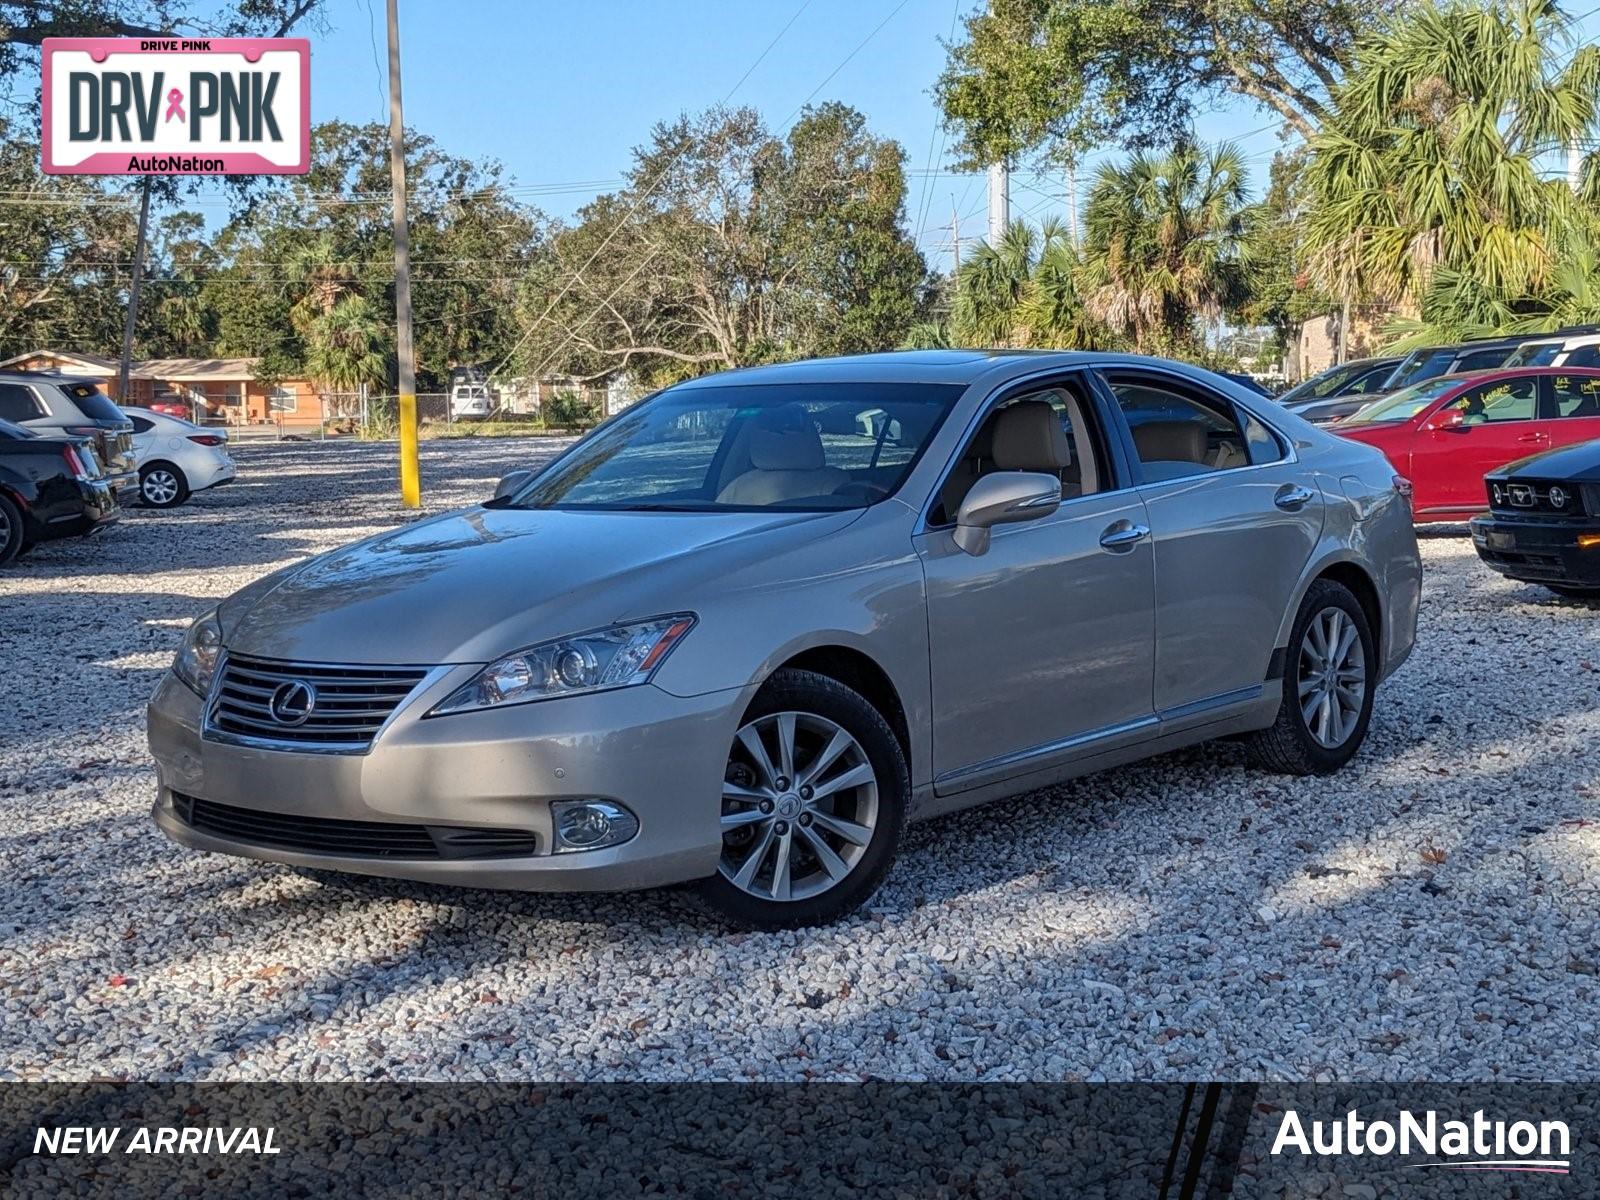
<point x="177" y="106"/>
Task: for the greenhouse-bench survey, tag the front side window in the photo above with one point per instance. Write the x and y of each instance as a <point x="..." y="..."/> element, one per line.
<point x="1512" y="400"/>
<point x="1534" y="354"/>
<point x="1179" y="432"/>
<point x="1576" y="395"/>
<point x="802" y="447"/>
<point x="1478" y="360"/>
<point x="1050" y="430"/>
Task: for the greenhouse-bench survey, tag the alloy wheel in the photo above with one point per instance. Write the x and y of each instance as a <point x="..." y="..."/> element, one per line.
<point x="5" y="529"/>
<point x="160" y="486"/>
<point x="1332" y="677"/>
<point x="799" y="806"/>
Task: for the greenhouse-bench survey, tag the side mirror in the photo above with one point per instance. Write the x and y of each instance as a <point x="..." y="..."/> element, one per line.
<point x="511" y="483"/>
<point x="1453" y="421"/>
<point x="1004" y="498"/>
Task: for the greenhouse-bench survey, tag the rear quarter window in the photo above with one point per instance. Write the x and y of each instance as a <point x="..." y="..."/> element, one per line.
<point x="92" y="402"/>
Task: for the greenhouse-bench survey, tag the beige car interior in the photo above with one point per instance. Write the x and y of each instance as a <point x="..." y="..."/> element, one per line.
<point x="786" y="460"/>
<point x="1028" y="434"/>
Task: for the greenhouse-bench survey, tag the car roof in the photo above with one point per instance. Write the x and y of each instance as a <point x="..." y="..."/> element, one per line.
<point x="959" y="367"/>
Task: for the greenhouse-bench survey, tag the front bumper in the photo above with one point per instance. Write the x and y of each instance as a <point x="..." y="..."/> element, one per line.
<point x="1538" y="551"/>
<point x="660" y="755"/>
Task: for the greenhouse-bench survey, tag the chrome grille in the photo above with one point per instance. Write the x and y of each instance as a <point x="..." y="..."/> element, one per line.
<point x="1535" y="496"/>
<point x="349" y="703"/>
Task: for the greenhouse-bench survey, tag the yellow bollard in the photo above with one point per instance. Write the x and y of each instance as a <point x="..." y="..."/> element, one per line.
<point x="410" y="477"/>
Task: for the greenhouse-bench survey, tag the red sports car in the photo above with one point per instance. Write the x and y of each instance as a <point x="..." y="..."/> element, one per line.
<point x="1444" y="434"/>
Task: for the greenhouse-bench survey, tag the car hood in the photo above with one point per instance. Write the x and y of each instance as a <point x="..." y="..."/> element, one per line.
<point x="469" y="586"/>
<point x="1579" y="463"/>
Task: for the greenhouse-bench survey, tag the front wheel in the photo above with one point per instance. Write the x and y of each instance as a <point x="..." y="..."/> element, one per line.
<point x="10" y="531"/>
<point x="1328" y="682"/>
<point x="814" y="797"/>
<point x="162" y="485"/>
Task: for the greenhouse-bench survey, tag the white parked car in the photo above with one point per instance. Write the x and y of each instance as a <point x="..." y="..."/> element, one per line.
<point x="177" y="458"/>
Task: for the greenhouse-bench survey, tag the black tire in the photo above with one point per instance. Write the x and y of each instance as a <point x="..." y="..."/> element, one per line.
<point x="805" y="692"/>
<point x="1288" y="745"/>
<point x="10" y="530"/>
<point x="1569" y="591"/>
<point x="174" y="490"/>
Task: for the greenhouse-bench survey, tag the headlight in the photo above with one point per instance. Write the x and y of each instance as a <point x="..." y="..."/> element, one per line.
<point x="620" y="656"/>
<point x="198" y="656"/>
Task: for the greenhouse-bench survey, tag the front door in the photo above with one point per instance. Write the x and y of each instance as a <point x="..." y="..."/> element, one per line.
<point x="1040" y="648"/>
<point x="1498" y="423"/>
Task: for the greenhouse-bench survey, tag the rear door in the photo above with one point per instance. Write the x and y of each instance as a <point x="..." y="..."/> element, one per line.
<point x="1573" y="407"/>
<point x="1234" y="518"/>
<point x="1499" y="421"/>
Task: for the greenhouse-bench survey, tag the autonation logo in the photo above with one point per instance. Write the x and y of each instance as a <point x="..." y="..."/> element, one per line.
<point x="1480" y="1144"/>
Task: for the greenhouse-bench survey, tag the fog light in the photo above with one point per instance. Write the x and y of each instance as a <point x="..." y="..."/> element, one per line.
<point x="591" y="824"/>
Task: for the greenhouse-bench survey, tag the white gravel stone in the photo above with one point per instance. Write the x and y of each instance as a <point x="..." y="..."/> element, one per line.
<point x="1433" y="907"/>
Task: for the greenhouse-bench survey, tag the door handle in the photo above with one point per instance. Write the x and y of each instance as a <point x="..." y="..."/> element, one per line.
<point x="1124" y="535"/>
<point x="1292" y="497"/>
<point x="1533" y="437"/>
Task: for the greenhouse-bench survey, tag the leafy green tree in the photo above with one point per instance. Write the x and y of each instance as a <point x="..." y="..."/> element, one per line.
<point x="1280" y="292"/>
<point x="1164" y="244"/>
<point x="1063" y="75"/>
<point x="731" y="246"/>
<point x="1429" y="161"/>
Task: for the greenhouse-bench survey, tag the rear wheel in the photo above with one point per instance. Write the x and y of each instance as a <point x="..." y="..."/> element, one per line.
<point x="162" y="485"/>
<point x="1328" y="683"/>
<point x="10" y="530"/>
<point x="814" y="797"/>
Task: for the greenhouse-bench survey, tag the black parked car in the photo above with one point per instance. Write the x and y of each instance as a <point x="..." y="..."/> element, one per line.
<point x="1543" y="524"/>
<point x="57" y="405"/>
<point x="1363" y="377"/>
<point x="50" y="487"/>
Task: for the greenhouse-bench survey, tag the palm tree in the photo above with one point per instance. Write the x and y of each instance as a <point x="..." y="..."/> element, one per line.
<point x="1165" y="243"/>
<point x="1429" y="161"/>
<point x="1022" y="292"/>
<point x="320" y="277"/>
<point x="347" y="347"/>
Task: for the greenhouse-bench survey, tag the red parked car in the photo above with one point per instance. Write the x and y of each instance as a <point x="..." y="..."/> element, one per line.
<point x="1445" y="434"/>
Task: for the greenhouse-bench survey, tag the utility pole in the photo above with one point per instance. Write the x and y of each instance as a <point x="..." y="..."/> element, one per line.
<point x="999" y="202"/>
<point x="1574" y="163"/>
<point x="955" y="230"/>
<point x="1072" y="199"/>
<point x="410" y="477"/>
<point x="132" y="314"/>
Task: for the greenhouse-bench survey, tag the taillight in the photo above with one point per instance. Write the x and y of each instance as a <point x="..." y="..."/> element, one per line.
<point x="1403" y="486"/>
<point x="84" y="430"/>
<point x="74" y="463"/>
<point x="207" y="439"/>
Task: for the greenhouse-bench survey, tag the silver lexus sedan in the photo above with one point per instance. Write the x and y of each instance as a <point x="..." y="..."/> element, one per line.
<point x="747" y="629"/>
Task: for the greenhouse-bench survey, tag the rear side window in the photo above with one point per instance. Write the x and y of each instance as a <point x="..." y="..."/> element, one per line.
<point x="1576" y="395"/>
<point x="1372" y="381"/>
<point x="17" y="403"/>
<point x="1583" y="356"/>
<point x="92" y="402"/>
<point x="1178" y="432"/>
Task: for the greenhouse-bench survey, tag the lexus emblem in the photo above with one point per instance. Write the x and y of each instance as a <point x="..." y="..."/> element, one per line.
<point x="292" y="702"/>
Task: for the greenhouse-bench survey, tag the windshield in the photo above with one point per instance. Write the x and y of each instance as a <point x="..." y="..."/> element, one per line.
<point x="1404" y="404"/>
<point x="800" y="447"/>
<point x="1325" y="384"/>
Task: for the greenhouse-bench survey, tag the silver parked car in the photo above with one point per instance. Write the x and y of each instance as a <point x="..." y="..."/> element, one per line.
<point x="746" y="630"/>
<point x="177" y="458"/>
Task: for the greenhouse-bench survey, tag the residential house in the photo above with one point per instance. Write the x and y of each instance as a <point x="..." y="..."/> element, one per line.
<point x="222" y="391"/>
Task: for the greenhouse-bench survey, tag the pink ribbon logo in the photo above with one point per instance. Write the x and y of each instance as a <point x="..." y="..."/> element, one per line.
<point x="175" y="105"/>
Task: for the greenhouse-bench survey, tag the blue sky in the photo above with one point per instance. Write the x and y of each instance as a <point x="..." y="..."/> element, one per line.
<point x="561" y="92"/>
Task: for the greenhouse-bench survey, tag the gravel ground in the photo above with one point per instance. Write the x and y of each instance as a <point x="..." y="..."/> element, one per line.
<point x="1430" y="913"/>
